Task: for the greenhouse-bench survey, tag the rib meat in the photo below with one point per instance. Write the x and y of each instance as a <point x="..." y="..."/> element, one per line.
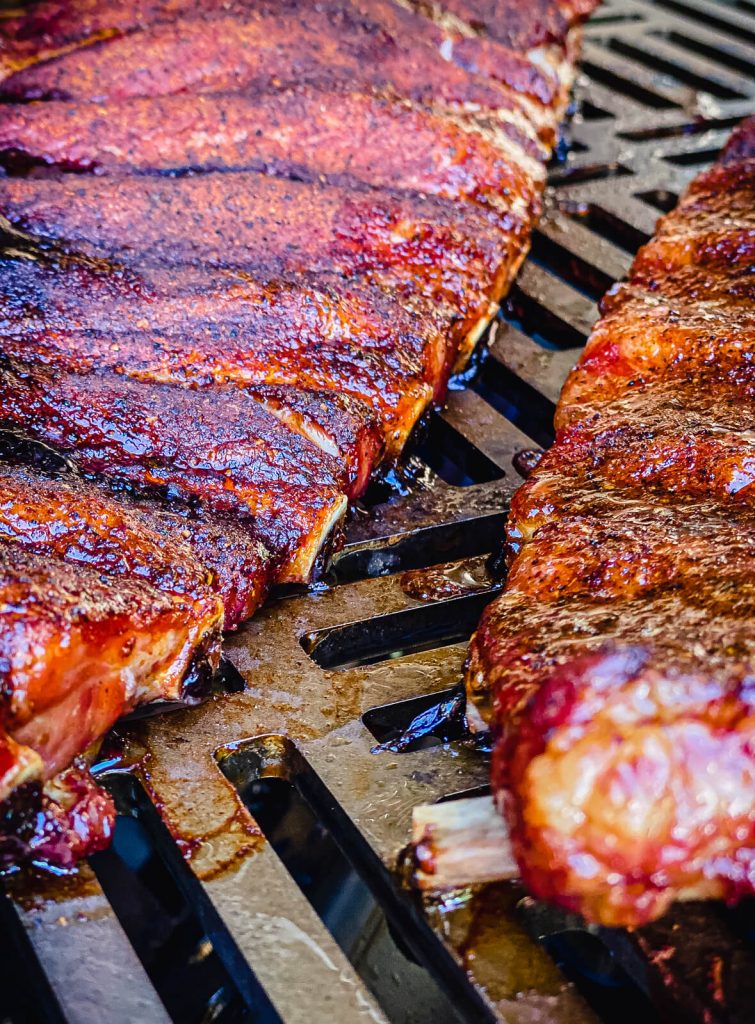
<point x="218" y="447"/>
<point x="350" y="136"/>
<point x="416" y="246"/>
<point x="80" y="648"/>
<point x="520" y="27"/>
<point x="616" y="670"/>
<point x="176" y="551"/>
<point x="257" y="44"/>
<point x="58" y="824"/>
<point x="529" y="47"/>
<point x="286" y="343"/>
<point x="55" y="29"/>
<point x="654" y="788"/>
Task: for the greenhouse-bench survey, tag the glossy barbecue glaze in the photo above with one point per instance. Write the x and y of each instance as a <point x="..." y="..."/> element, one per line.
<point x="56" y="28"/>
<point x="215" y="48"/>
<point x="350" y="136"/>
<point x="616" y="670"/>
<point x="654" y="775"/>
<point x="80" y="648"/>
<point x="204" y="327"/>
<point x="417" y="246"/>
<point x="190" y="555"/>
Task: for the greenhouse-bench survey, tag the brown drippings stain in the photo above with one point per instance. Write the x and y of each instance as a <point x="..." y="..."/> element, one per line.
<point x="440" y="582"/>
<point x="31" y="888"/>
<point x="238" y="833"/>
<point x="482" y="926"/>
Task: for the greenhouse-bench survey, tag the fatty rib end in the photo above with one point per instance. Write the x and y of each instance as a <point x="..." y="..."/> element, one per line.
<point x="469" y="341"/>
<point x="18" y="764"/>
<point x="300" y="566"/>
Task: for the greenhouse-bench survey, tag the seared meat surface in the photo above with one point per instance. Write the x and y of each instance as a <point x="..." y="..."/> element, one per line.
<point x="263" y="237"/>
<point x="405" y="243"/>
<point x="374" y="375"/>
<point x="191" y="555"/>
<point x="616" y="670"/>
<point x="217" y="50"/>
<point x="218" y="447"/>
<point x="80" y="648"/>
<point x="351" y="136"/>
<point x="654" y="779"/>
<point x="497" y="43"/>
<point x="205" y="325"/>
<point x="58" y="824"/>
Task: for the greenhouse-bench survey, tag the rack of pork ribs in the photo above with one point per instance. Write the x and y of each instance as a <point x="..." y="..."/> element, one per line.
<point x="617" y="670"/>
<point x="244" y="246"/>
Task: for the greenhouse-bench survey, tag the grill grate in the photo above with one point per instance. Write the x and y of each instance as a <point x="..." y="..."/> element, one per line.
<point x="294" y="914"/>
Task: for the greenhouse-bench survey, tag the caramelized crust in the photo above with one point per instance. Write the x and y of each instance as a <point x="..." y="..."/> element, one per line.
<point x="217" y="447"/>
<point x="645" y="336"/>
<point x="58" y="824"/>
<point x="413" y="245"/>
<point x="529" y="47"/>
<point x="531" y="92"/>
<point x="693" y="438"/>
<point x="616" y="669"/>
<point x="79" y="648"/>
<point x="551" y="496"/>
<point x="349" y="137"/>
<point x="324" y="359"/>
<point x="616" y="547"/>
<point x="187" y="555"/>
<point x="307" y="311"/>
<point x="340" y="426"/>
<point x="521" y="642"/>
<point x="53" y="27"/>
<point x="653" y="775"/>
<point x="518" y="26"/>
<point x="286" y="43"/>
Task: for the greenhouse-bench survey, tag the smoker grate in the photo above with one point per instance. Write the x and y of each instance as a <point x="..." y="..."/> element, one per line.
<point x="285" y="905"/>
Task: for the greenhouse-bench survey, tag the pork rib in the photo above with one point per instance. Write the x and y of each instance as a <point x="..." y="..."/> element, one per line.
<point x="279" y="340"/>
<point x="286" y="43"/>
<point x="173" y="549"/>
<point x="56" y="29"/>
<point x="349" y="136"/>
<point x="411" y="245"/>
<point x="217" y="447"/>
<point x="80" y="648"/>
<point x="616" y="671"/>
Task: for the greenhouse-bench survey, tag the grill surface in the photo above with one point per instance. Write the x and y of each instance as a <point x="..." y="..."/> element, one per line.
<point x="245" y="927"/>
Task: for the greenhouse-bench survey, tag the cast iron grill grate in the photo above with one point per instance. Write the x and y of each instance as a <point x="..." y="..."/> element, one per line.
<point x="295" y="914"/>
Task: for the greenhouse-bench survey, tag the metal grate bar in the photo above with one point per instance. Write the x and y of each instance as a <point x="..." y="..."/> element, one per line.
<point x="89" y="963"/>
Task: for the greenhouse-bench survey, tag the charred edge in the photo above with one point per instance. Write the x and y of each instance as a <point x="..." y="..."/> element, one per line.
<point x="197" y="683"/>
